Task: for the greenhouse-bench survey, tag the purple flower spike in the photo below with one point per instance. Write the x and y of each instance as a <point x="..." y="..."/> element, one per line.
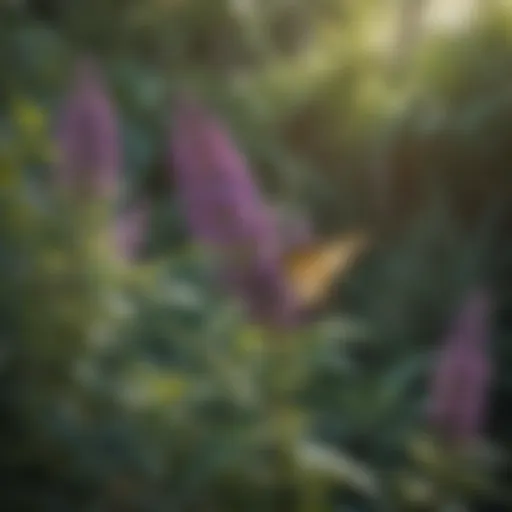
<point x="461" y="378"/>
<point x="225" y="211"/>
<point x="87" y="136"/>
<point x="130" y="231"/>
<point x="216" y="188"/>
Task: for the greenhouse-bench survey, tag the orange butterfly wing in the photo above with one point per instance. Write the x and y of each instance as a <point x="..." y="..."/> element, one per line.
<point x="313" y="269"/>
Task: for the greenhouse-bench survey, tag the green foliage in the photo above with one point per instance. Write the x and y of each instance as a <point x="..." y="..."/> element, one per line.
<point x="143" y="387"/>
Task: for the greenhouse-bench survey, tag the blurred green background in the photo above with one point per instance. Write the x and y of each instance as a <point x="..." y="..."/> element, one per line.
<point x="140" y="387"/>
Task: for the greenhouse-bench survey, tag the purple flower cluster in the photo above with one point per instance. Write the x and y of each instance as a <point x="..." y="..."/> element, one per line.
<point x="88" y="136"/>
<point x="461" y="378"/>
<point x="225" y="211"/>
<point x="89" y="146"/>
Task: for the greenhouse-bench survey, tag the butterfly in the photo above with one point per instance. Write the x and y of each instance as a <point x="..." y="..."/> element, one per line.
<point x="312" y="269"/>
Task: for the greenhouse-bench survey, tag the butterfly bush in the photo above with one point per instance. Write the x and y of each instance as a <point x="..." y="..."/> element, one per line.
<point x="90" y="154"/>
<point x="461" y="377"/>
<point x="225" y="211"/>
<point x="88" y="136"/>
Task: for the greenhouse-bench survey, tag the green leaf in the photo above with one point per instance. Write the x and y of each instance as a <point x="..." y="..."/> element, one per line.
<point x="336" y="466"/>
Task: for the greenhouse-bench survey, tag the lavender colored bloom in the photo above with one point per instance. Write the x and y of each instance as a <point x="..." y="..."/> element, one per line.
<point x="87" y="136"/>
<point x="225" y="211"/>
<point x="130" y="229"/>
<point x="461" y="378"/>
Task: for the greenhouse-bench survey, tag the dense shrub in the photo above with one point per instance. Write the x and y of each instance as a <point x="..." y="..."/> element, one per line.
<point x="132" y="378"/>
